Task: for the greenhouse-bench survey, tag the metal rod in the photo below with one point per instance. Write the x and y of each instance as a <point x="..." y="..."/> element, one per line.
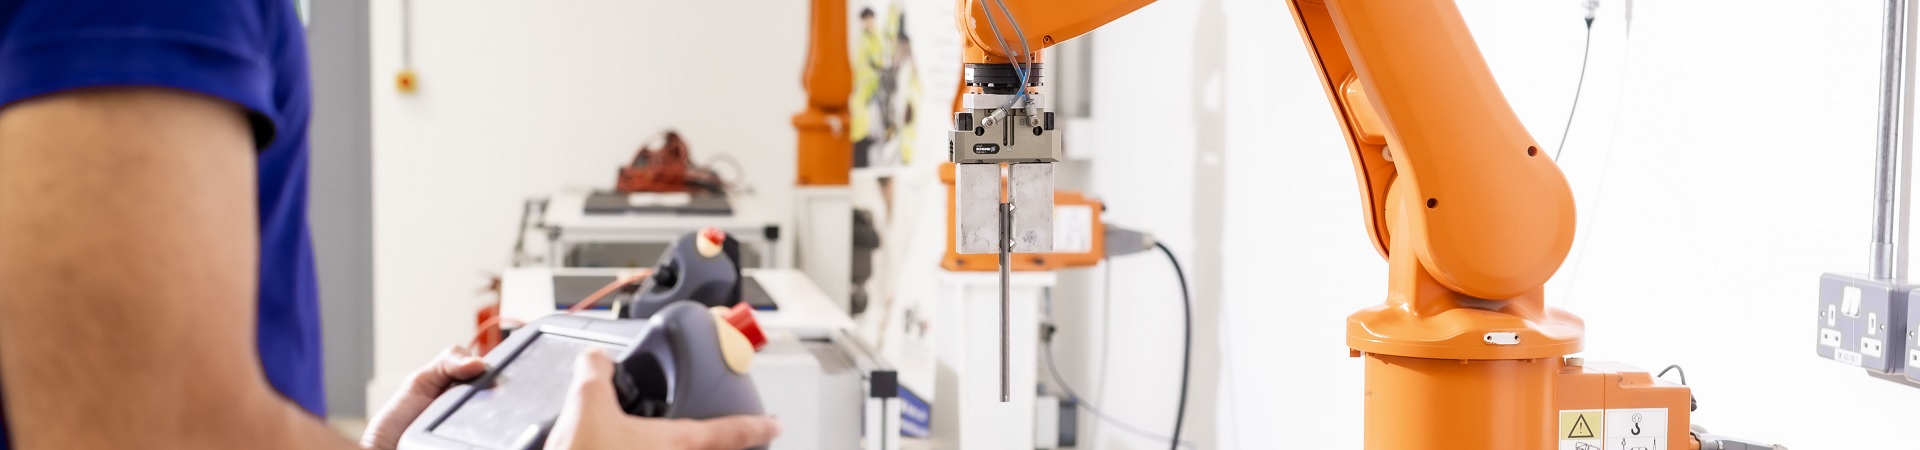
<point x="1888" y="176"/>
<point x="1006" y="300"/>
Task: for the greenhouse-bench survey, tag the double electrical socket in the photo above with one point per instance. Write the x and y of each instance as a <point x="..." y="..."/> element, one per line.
<point x="1866" y="322"/>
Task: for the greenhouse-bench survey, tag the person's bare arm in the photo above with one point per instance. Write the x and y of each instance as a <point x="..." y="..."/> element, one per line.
<point x="128" y="270"/>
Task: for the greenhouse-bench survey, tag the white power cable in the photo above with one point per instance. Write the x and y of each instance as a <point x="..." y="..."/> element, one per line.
<point x="1600" y="185"/>
<point x="1581" y="85"/>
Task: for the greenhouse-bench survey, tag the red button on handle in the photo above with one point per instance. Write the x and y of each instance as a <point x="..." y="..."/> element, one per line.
<point x="741" y="317"/>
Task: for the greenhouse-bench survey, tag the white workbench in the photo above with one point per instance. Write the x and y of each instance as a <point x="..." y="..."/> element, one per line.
<point x="803" y="309"/>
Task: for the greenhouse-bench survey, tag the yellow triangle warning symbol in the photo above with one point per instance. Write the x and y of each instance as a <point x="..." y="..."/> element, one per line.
<point x="1580" y="429"/>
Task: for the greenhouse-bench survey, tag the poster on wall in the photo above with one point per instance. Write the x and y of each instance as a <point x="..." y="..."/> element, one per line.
<point x="886" y="84"/>
<point x="906" y="65"/>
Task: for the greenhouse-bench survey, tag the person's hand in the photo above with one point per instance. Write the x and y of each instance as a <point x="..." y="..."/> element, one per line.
<point x="453" y="365"/>
<point x="592" y="420"/>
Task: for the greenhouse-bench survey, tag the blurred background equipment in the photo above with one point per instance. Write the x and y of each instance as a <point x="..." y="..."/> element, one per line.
<point x="598" y="229"/>
<point x="824" y="155"/>
<point x="866" y="238"/>
<point x="667" y="166"/>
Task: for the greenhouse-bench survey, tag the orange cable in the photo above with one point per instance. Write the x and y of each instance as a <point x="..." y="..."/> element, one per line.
<point x="582" y="305"/>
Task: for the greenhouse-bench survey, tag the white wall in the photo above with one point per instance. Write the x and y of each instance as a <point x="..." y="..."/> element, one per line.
<point x="1717" y="175"/>
<point x="520" y="98"/>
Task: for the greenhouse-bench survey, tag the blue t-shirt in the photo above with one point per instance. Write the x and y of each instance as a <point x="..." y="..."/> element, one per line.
<point x="249" y="52"/>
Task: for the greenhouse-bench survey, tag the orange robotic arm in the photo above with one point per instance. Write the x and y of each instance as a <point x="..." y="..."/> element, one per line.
<point x="1470" y="214"/>
<point x="1495" y="217"/>
<point x="1044" y="23"/>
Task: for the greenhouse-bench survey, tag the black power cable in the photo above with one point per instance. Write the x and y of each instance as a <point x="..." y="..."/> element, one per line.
<point x="1186" y="357"/>
<point x="1046" y="350"/>
<point x="1694" y="401"/>
<point x="1675" y="367"/>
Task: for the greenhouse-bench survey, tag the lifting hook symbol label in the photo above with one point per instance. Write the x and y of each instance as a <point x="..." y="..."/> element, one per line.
<point x="1625" y="429"/>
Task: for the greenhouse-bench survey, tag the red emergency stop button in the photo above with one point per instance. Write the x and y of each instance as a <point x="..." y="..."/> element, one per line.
<point x="741" y="317"/>
<point x="709" y="241"/>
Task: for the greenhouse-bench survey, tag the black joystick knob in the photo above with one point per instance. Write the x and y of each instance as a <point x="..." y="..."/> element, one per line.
<point x="667" y="275"/>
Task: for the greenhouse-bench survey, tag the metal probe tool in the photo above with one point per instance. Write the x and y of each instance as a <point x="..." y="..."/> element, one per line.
<point x="1003" y="148"/>
<point x="1006" y="299"/>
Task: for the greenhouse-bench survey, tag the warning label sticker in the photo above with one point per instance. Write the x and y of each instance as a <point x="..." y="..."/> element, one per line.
<point x="1072" y="229"/>
<point x="1581" y="429"/>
